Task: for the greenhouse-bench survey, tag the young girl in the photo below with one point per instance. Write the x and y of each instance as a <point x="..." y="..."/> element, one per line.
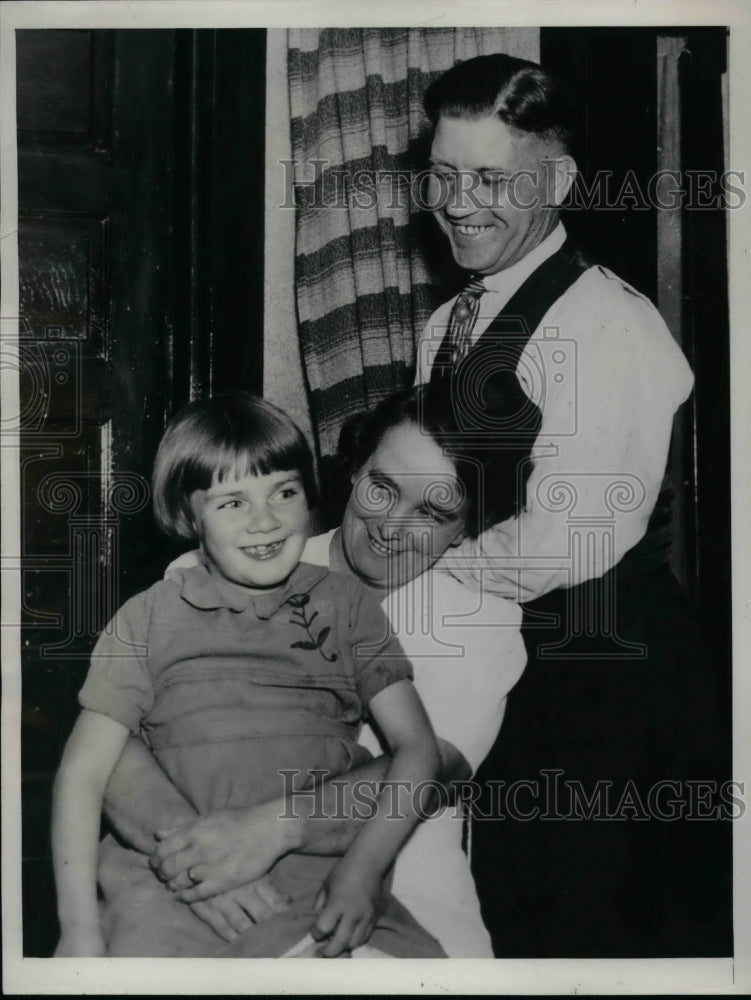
<point x="247" y="666"/>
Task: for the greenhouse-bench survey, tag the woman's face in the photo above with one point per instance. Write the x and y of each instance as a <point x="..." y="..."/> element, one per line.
<point x="407" y="507"/>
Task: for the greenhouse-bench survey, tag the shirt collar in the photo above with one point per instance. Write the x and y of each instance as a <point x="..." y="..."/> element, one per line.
<point x="207" y="592"/>
<point x="511" y="278"/>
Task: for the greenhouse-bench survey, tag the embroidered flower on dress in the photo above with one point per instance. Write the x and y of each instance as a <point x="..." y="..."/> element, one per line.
<point x="299" y="603"/>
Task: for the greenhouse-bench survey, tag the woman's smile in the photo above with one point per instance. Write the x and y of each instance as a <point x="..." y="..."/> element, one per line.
<point x="383" y="548"/>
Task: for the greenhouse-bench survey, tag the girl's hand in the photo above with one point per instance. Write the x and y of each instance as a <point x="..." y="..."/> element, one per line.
<point x="222" y="851"/>
<point x="81" y="941"/>
<point x="351" y="901"/>
<point x="231" y="913"/>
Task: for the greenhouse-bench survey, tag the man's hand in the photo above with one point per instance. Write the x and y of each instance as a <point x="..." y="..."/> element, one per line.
<point x="222" y="851"/>
<point x="81" y="941"/>
<point x="350" y="902"/>
<point x="230" y="913"/>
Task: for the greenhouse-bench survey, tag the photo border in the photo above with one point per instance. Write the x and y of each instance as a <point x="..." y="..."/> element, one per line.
<point x="459" y="976"/>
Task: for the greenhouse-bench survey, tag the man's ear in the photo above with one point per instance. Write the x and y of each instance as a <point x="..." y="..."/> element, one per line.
<point x="562" y="172"/>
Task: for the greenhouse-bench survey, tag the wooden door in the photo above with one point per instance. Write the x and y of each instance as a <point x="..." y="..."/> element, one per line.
<point x="96" y="171"/>
<point x="140" y="253"/>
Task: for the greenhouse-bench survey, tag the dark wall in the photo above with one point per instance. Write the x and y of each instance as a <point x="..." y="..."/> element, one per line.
<point x="614" y="73"/>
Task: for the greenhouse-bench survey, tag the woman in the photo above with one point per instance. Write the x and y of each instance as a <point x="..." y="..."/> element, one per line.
<point x="418" y="488"/>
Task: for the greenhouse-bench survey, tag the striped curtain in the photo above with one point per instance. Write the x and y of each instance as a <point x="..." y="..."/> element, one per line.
<point x="364" y="286"/>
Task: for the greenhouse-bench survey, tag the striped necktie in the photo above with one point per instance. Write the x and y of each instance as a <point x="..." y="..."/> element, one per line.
<point x="463" y="318"/>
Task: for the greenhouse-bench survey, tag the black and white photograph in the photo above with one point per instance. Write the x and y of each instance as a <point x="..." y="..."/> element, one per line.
<point x="374" y="452"/>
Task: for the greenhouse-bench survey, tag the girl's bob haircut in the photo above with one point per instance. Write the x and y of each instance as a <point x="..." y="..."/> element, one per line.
<point x="210" y="439"/>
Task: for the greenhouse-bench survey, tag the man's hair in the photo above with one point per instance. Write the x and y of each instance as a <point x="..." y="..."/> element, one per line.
<point x="522" y="94"/>
<point x="492" y="469"/>
<point x="210" y="439"/>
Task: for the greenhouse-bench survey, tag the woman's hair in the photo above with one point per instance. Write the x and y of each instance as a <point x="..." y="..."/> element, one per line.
<point x="492" y="457"/>
<point x="211" y="438"/>
<point x="521" y="93"/>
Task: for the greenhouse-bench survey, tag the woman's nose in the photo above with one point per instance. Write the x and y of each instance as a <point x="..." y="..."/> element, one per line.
<point x="391" y="530"/>
<point x="396" y="524"/>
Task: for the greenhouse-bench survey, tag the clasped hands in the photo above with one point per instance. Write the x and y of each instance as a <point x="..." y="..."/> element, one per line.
<point x="218" y="864"/>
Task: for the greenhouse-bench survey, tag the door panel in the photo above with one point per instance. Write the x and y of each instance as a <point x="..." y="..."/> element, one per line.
<point x="141" y="285"/>
<point x="96" y="159"/>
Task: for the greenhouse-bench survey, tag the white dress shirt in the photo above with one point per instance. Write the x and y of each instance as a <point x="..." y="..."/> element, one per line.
<point x="608" y="377"/>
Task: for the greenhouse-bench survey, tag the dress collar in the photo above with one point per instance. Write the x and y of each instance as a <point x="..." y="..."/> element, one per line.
<point x="205" y="591"/>
<point x="513" y="277"/>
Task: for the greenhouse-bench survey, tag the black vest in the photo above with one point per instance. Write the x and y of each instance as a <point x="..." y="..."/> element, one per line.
<point x="519" y="318"/>
<point x="501" y="346"/>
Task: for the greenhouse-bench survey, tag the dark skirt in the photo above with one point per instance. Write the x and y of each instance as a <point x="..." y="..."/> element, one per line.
<point x="604" y="825"/>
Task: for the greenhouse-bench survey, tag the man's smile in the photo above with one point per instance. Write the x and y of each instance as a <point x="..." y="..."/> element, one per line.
<point x="469" y="230"/>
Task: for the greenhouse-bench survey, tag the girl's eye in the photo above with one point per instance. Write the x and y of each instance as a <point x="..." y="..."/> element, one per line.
<point x="288" y="493"/>
<point x="230" y="505"/>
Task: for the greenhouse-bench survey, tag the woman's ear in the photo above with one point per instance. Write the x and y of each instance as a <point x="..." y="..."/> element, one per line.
<point x="458" y="538"/>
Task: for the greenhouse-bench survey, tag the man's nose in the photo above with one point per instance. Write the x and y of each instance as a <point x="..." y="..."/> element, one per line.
<point x="465" y="197"/>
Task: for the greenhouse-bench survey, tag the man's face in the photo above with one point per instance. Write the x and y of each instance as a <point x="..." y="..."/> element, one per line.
<point x="492" y="191"/>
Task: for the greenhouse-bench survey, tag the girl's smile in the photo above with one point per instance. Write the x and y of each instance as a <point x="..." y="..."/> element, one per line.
<point x="263" y="552"/>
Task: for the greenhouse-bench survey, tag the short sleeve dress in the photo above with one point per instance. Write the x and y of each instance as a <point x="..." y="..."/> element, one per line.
<point x="242" y="698"/>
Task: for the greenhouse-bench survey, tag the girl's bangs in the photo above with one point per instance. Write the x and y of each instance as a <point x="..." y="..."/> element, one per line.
<point x="258" y="459"/>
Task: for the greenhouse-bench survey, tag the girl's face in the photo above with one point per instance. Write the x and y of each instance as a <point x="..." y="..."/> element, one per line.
<point x="253" y="528"/>
<point x="405" y="510"/>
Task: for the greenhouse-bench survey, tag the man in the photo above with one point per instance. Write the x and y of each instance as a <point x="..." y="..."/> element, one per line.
<point x="616" y="690"/>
